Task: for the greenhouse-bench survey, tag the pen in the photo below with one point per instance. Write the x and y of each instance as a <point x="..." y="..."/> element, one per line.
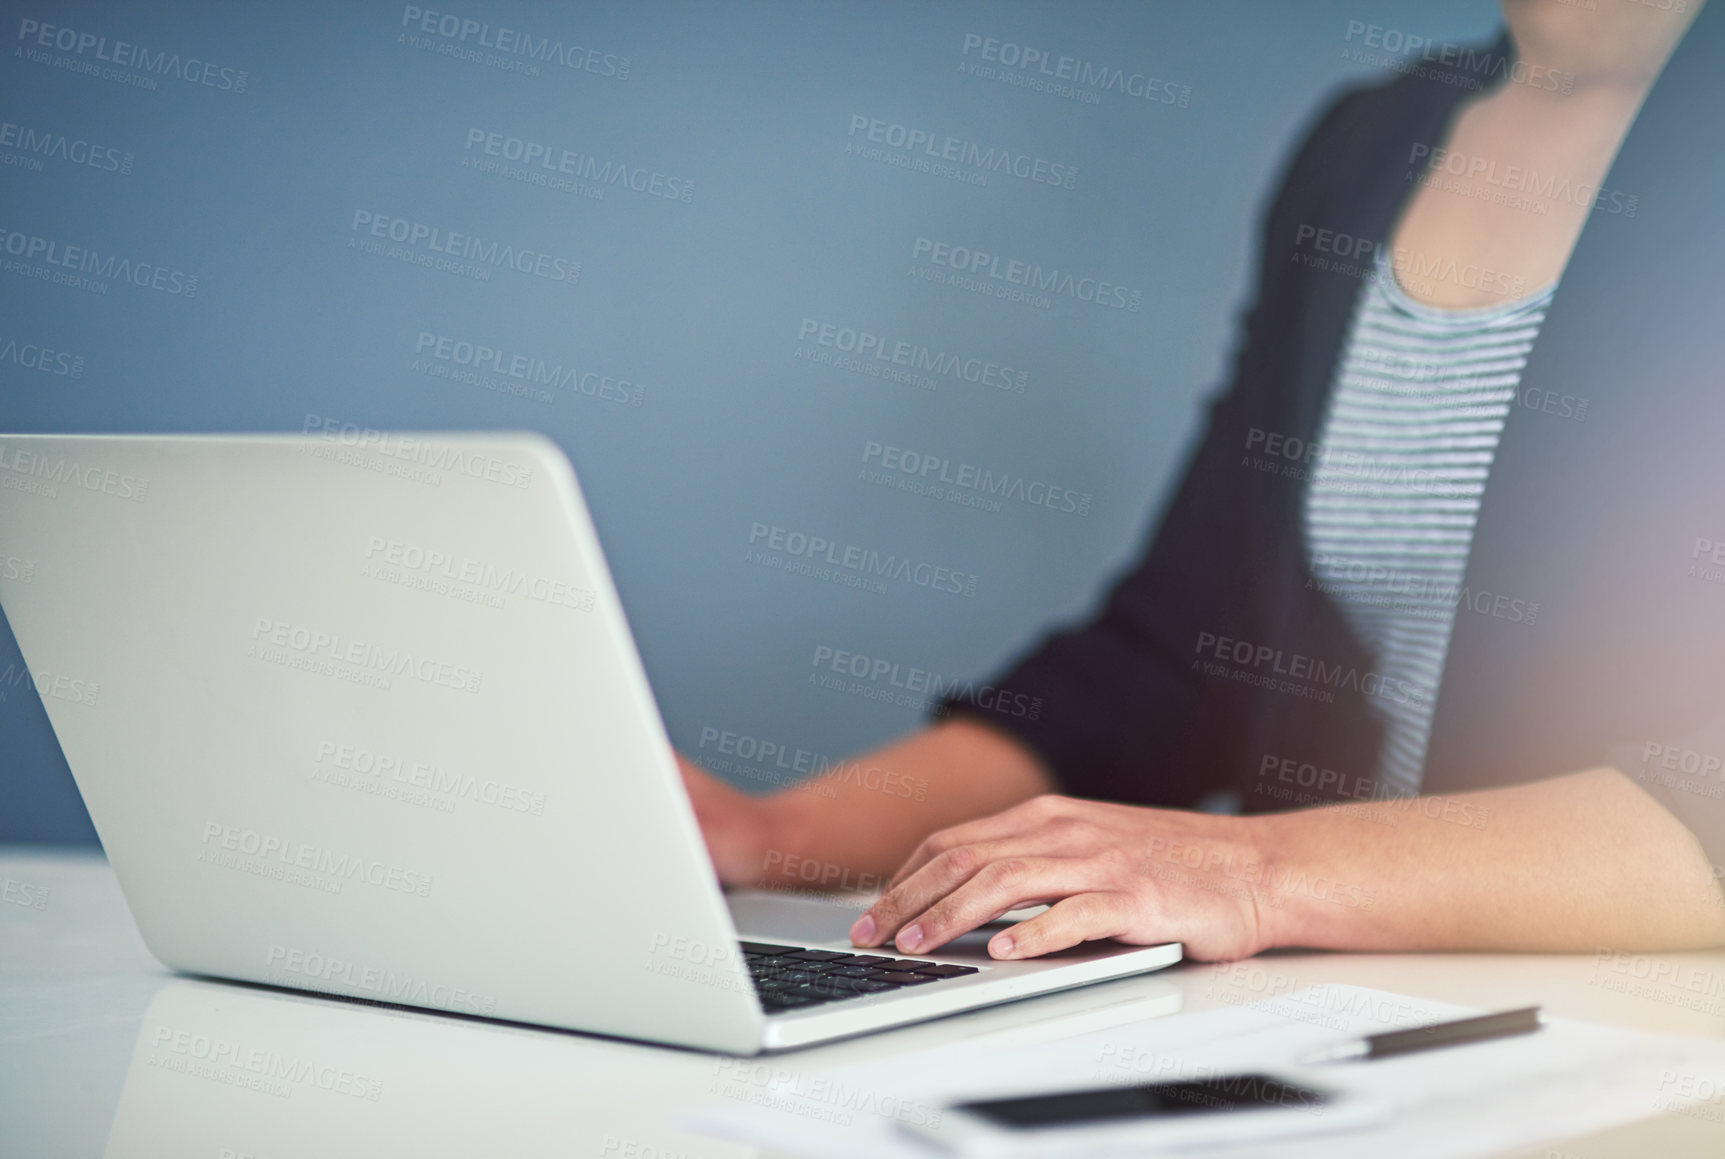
<point x="1457" y="1033"/>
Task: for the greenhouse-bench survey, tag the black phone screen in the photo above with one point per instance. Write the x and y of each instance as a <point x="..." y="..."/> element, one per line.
<point x="1241" y="1092"/>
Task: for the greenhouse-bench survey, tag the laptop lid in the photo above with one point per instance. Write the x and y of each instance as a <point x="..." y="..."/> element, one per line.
<point x="360" y="712"/>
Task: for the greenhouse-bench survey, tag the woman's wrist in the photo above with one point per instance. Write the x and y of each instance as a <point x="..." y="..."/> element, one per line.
<point x="1282" y="883"/>
<point x="1317" y="889"/>
<point x="787" y="835"/>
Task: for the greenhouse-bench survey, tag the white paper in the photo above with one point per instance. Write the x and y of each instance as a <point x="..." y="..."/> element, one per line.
<point x="1568" y="1078"/>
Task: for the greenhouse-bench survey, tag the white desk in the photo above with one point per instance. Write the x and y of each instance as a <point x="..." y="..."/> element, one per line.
<point x="88" y="1067"/>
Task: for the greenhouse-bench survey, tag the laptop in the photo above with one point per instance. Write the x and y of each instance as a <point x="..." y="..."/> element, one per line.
<point x="358" y="712"/>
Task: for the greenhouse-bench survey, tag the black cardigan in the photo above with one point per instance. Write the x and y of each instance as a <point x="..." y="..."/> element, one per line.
<point x="1216" y="663"/>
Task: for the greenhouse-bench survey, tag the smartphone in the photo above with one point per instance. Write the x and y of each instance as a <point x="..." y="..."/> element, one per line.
<point x="1222" y="1109"/>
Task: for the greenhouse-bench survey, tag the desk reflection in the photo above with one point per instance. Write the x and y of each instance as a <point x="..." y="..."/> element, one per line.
<point x="230" y="1072"/>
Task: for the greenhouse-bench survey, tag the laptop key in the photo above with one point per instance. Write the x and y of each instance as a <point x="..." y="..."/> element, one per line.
<point x="768" y="948"/>
<point x="901" y="977"/>
<point x="908" y="965"/>
<point x="946" y="970"/>
<point x="865" y="960"/>
<point x="817" y="955"/>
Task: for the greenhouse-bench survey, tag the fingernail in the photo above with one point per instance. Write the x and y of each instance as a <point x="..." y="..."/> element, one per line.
<point x="1000" y="946"/>
<point x="910" y="939"/>
<point x="862" y="932"/>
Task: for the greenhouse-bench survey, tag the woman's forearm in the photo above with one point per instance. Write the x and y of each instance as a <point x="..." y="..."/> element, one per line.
<point x="1572" y="863"/>
<point x="853" y="825"/>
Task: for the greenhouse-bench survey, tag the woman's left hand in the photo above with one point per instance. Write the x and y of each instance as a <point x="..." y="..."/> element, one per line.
<point x="1141" y="876"/>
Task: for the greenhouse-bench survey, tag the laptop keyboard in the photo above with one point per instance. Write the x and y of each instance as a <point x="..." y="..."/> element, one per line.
<point x="791" y="978"/>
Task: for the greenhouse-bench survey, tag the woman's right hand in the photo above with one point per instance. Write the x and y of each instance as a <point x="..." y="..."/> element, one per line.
<point x="740" y="829"/>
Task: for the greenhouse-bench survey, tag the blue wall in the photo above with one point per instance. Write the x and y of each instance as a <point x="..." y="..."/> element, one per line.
<point x="712" y="202"/>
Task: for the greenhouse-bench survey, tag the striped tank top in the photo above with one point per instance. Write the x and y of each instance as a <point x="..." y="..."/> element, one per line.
<point x="1413" y="421"/>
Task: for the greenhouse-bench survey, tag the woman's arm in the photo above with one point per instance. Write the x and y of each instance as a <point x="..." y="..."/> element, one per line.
<point x="1572" y="863"/>
<point x="853" y="825"/>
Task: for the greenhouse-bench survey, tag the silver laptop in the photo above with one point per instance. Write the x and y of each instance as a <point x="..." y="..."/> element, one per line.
<point x="358" y="712"/>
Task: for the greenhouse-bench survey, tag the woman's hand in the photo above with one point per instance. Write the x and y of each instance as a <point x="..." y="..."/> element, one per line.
<point x="1137" y="875"/>
<point x="739" y="829"/>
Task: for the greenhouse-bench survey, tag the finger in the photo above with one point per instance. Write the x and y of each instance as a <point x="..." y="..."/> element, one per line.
<point x="1020" y="819"/>
<point x="1002" y="885"/>
<point x="946" y="872"/>
<point x="922" y="889"/>
<point x="1081" y="917"/>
